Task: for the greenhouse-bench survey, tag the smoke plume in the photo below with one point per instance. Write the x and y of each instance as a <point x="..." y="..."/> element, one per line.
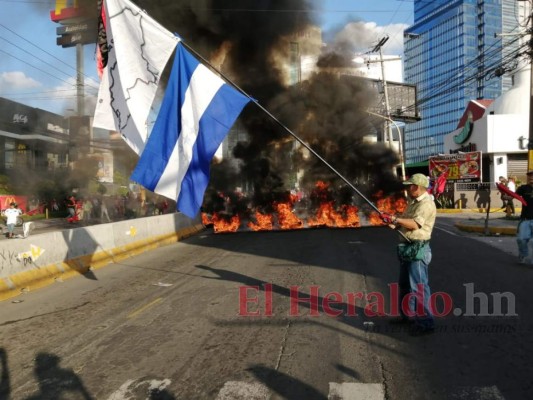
<point x="250" y="42"/>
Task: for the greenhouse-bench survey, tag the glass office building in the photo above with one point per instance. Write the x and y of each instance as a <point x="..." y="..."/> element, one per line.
<point x="452" y="54"/>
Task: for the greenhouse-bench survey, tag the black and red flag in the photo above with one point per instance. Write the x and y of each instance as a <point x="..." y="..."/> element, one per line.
<point x="101" y="48"/>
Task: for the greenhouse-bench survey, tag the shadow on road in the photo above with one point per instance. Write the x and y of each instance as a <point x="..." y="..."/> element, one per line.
<point x="315" y="309"/>
<point x="284" y="385"/>
<point x="5" y="385"/>
<point x="81" y="249"/>
<point x="56" y="382"/>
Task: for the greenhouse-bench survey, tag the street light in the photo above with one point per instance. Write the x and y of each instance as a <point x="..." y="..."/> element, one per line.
<point x="400" y="141"/>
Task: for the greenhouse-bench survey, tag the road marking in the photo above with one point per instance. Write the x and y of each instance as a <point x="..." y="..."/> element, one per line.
<point x="144" y="308"/>
<point x="236" y="390"/>
<point x="356" y="391"/>
<point x="447" y="231"/>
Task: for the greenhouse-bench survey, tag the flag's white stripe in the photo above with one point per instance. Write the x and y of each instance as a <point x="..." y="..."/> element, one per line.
<point x="356" y="391"/>
<point x="203" y="86"/>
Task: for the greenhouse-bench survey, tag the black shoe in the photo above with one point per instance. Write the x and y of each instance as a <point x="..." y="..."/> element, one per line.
<point x="421" y="331"/>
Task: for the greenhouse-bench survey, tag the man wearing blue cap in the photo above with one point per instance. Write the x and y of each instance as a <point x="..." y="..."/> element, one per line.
<point x="416" y="223"/>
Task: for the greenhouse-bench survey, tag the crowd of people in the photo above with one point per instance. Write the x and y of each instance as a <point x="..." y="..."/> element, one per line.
<point x="102" y="208"/>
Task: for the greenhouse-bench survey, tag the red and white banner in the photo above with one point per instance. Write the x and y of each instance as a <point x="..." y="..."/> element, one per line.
<point x="462" y="167"/>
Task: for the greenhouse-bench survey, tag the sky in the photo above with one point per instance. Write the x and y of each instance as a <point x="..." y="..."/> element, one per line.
<point x="37" y="72"/>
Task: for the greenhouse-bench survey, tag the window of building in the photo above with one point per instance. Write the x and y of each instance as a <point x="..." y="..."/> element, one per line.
<point x="9" y="151"/>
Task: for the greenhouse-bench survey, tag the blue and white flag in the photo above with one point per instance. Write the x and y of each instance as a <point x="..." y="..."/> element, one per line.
<point x="197" y="113"/>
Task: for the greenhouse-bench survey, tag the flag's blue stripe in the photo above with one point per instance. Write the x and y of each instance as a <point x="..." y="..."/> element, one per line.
<point x="215" y="124"/>
<point x="167" y="127"/>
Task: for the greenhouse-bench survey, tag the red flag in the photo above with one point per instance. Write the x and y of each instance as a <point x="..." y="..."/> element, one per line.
<point x="101" y="48"/>
<point x="505" y="190"/>
<point x="440" y="184"/>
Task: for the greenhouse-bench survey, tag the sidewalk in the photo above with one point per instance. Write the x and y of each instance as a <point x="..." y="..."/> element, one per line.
<point x="477" y="222"/>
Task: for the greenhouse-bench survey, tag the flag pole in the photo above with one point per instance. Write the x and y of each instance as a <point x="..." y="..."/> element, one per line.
<point x="290" y="132"/>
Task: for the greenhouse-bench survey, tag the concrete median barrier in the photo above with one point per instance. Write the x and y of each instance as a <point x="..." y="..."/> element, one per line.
<point x="39" y="260"/>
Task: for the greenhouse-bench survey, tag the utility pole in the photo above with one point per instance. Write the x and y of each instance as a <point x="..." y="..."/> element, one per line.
<point x="400" y="142"/>
<point x="530" y="54"/>
<point x="80" y="95"/>
<point x="387" y="107"/>
<point x="530" y="143"/>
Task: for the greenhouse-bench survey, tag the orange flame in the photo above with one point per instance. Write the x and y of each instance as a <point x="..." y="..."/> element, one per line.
<point x="264" y="222"/>
<point x="221" y="224"/>
<point x="206" y="220"/>
<point x="327" y="216"/>
<point x="393" y="205"/>
<point x="286" y="218"/>
<point x="320" y="185"/>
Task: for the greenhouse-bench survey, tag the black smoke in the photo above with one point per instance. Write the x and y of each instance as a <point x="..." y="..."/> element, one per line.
<point x="246" y="39"/>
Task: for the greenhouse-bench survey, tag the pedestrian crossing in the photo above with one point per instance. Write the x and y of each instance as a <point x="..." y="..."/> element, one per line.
<point x="238" y="390"/>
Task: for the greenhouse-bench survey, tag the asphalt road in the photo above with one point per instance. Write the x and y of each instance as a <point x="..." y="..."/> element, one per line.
<point x="166" y="324"/>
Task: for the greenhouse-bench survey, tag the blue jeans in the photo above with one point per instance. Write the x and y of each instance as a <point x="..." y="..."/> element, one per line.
<point x="523" y="235"/>
<point x="412" y="275"/>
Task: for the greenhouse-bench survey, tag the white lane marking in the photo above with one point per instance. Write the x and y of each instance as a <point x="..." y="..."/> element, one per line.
<point x="236" y="390"/>
<point x="356" y="391"/>
<point x="446" y="230"/>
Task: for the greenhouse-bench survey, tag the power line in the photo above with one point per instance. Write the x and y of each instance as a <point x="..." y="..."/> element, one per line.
<point x="38" y="69"/>
<point x="447" y="85"/>
<point x="44" y="51"/>
<point x="33" y="55"/>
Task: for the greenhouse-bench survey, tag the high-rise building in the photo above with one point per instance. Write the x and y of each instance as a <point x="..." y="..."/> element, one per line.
<point x="454" y="54"/>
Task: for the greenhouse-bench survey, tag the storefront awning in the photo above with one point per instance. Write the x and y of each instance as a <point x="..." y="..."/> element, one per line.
<point x="418" y="164"/>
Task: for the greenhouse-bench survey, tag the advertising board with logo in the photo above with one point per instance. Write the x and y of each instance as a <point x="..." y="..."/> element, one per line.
<point x="461" y="167"/>
<point x="7" y="199"/>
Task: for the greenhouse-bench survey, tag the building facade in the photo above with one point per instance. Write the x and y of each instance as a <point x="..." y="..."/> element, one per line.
<point x="454" y="54"/>
<point x="31" y="138"/>
<point x="499" y="129"/>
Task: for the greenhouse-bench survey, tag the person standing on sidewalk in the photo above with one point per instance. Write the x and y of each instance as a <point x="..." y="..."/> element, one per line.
<point x="103" y="210"/>
<point x="12" y="214"/>
<point x="416" y="223"/>
<point x="511" y="185"/>
<point x="525" y="226"/>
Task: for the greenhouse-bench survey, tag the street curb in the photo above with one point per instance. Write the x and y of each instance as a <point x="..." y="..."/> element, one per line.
<point x="495" y="230"/>
<point x="472" y="210"/>
<point x="22" y="282"/>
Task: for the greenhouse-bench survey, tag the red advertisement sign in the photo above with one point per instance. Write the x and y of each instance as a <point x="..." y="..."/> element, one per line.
<point x="7" y="199"/>
<point x="463" y="167"/>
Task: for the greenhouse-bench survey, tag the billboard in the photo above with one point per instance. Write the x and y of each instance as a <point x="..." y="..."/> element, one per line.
<point x="105" y="167"/>
<point x="460" y="167"/>
<point x="402" y="101"/>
